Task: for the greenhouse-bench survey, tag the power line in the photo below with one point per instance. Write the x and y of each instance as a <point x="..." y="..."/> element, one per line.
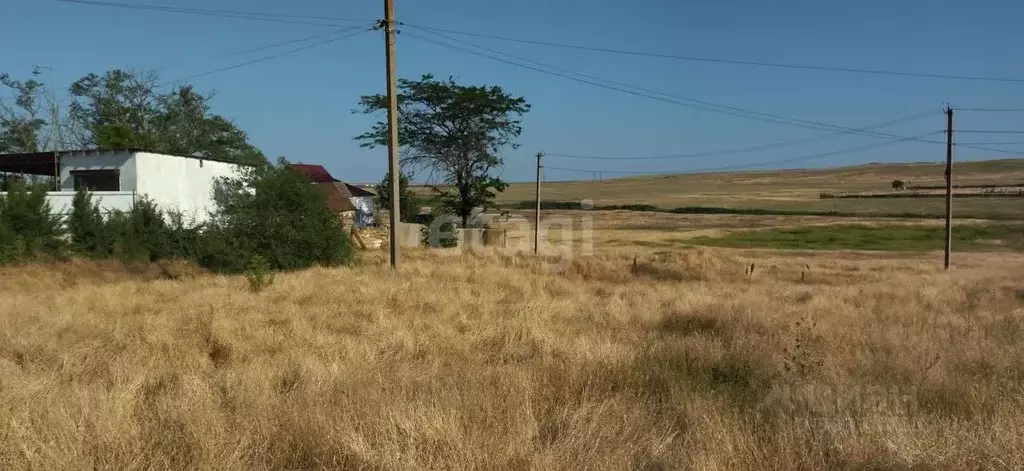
<point x="744" y="150"/>
<point x="674" y="99"/>
<point x="268" y="17"/>
<point x="263" y="59"/>
<point x="993" y="110"/>
<point x="764" y="163"/>
<point x="989" y="149"/>
<point x="664" y="97"/>
<point x="292" y="41"/>
<point x="727" y="61"/>
<point x="300" y="19"/>
<point x="1011" y="143"/>
<point x="972" y="131"/>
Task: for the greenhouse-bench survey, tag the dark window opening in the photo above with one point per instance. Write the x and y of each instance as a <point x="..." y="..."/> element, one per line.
<point x="97" y="180"/>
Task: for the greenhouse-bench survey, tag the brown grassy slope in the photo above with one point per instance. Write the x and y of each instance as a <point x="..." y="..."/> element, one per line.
<point x="791" y="189"/>
<point x="496" y="363"/>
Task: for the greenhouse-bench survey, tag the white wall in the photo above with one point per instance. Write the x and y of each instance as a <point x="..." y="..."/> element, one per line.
<point x="122" y="161"/>
<point x="60" y="201"/>
<point x="180" y="183"/>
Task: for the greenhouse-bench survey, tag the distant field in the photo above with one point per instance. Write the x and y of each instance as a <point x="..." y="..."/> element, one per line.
<point x="904" y="238"/>
<point x="795" y="190"/>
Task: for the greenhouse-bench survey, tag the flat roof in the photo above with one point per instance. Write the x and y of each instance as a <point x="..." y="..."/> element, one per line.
<point x="46" y="162"/>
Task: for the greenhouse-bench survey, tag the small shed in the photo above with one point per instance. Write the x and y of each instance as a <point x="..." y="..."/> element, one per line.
<point x="347" y="200"/>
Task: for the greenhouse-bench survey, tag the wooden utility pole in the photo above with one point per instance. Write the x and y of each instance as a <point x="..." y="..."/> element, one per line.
<point x="393" y="167"/>
<point x="949" y="184"/>
<point x="536" y="218"/>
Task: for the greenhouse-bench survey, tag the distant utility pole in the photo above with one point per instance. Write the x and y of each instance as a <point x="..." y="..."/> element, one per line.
<point x="536" y="218"/>
<point x="949" y="184"/>
<point x="393" y="167"/>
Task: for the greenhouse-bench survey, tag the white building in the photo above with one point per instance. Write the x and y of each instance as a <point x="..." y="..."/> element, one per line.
<point x="117" y="178"/>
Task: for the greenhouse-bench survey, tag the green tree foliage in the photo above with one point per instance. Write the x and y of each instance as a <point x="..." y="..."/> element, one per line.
<point x="87" y="227"/>
<point x="258" y="274"/>
<point x="140" y="234"/>
<point x="275" y="213"/>
<point x="33" y="120"/>
<point x="27" y="227"/>
<point x="409" y="202"/>
<point x="20" y="124"/>
<point x="8" y="180"/>
<point x="454" y="131"/>
<point x="11" y="247"/>
<point x="120" y="109"/>
<point x="125" y="109"/>
<point x="145" y="233"/>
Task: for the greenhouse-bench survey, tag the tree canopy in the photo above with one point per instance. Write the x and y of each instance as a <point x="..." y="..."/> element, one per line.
<point x="409" y="202"/>
<point x="455" y="132"/>
<point x="121" y="109"/>
<point x="22" y="122"/>
<point x="124" y="109"/>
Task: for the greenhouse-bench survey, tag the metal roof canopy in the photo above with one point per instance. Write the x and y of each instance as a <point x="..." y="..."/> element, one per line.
<point x="31" y="163"/>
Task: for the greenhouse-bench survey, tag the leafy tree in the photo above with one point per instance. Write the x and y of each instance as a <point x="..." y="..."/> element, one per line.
<point x="454" y="131"/>
<point x="125" y="109"/>
<point x="34" y="120"/>
<point x="409" y="202"/>
<point x="20" y="124"/>
<point x="275" y="213"/>
<point x="899" y="185"/>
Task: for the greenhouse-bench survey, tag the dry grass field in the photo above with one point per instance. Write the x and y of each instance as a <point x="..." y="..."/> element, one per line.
<point x="664" y="361"/>
<point x="794" y="190"/>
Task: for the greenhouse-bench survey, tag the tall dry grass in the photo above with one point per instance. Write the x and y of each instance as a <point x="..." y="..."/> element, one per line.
<point x="677" y="361"/>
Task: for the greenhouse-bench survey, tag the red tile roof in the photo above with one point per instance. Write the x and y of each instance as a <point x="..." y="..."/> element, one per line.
<point x="319" y="174"/>
<point x="316" y="173"/>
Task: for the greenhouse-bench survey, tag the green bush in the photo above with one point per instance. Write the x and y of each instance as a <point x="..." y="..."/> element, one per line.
<point x="273" y="212"/>
<point x="145" y="233"/>
<point x="409" y="202"/>
<point x="28" y="228"/>
<point x="184" y="238"/>
<point x="88" y="230"/>
<point x="259" y="274"/>
<point x="12" y="249"/>
<point x="140" y="234"/>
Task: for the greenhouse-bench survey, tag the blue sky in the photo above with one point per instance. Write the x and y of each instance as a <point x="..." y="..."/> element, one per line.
<point x="301" y="105"/>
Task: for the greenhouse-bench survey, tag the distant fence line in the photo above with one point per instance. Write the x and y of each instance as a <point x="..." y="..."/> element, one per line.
<point x="993" y="194"/>
<point x="577" y="206"/>
<point x="963" y="187"/>
<point x="711" y="210"/>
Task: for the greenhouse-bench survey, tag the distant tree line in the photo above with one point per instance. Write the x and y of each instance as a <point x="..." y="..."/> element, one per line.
<point x="119" y="110"/>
